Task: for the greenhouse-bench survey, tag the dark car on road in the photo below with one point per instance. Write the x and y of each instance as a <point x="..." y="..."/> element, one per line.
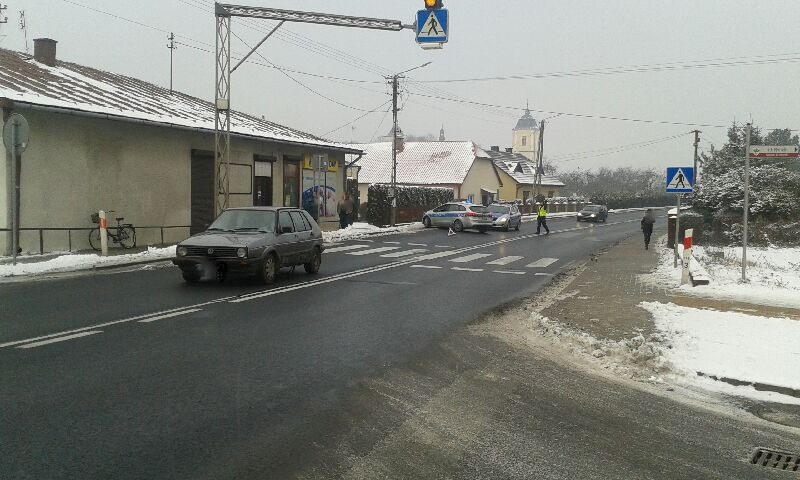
<point x="505" y="216"/>
<point x="593" y="213"/>
<point x="252" y="240"/>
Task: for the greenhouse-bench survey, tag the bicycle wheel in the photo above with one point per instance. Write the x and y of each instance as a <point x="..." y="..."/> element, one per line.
<point x="94" y="239"/>
<point x="126" y="236"/>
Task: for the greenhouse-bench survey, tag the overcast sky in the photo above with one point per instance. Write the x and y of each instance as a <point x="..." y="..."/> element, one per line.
<point x="488" y="39"/>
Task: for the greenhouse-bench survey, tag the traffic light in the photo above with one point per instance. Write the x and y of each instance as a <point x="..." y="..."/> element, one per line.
<point x="433" y="4"/>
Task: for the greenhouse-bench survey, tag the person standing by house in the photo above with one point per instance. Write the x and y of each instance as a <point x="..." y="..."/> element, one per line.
<point x="345" y="209"/>
<point x="648" y="221"/>
<point x="541" y="218"/>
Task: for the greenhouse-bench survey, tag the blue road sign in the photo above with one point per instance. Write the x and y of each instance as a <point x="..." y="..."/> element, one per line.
<point x="433" y="26"/>
<point x="680" y="179"/>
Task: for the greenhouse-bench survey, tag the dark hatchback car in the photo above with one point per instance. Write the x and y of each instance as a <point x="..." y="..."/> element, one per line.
<point x="252" y="240"/>
<point x="593" y="213"/>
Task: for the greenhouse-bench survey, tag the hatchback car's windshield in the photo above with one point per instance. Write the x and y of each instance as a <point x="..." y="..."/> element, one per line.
<point x="592" y="208"/>
<point x="499" y="208"/>
<point x="245" y="220"/>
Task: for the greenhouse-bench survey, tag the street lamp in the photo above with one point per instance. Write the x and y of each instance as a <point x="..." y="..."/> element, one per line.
<point x="394" y="79"/>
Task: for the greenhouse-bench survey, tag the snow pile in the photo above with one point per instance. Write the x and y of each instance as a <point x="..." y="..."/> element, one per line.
<point x="637" y="357"/>
<point x="773" y="274"/>
<point x="359" y="230"/>
<point x="706" y="345"/>
<point x="72" y="262"/>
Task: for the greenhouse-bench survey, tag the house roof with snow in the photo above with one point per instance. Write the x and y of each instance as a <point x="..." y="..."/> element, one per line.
<point x="522" y="170"/>
<point x="80" y="89"/>
<point x="420" y="163"/>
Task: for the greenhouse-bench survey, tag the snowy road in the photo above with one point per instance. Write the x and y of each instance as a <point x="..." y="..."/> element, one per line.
<point x="137" y="375"/>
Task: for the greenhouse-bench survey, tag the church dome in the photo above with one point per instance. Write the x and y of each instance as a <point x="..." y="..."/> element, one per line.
<point x="527" y="122"/>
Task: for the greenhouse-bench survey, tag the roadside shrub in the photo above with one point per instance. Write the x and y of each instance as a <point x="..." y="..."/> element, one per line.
<point x="412" y="202"/>
<point x="632" y="200"/>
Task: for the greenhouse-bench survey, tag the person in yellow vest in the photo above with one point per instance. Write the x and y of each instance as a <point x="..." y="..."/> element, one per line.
<point x="541" y="217"/>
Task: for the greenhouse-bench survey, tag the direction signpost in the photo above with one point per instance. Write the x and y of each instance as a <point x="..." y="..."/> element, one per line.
<point x="679" y="180"/>
<point x="774" y="151"/>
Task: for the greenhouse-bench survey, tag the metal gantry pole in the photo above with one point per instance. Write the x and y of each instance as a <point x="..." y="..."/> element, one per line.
<point x="222" y="120"/>
<point x="394" y="150"/>
<point x="748" y="127"/>
<point x="14" y="194"/>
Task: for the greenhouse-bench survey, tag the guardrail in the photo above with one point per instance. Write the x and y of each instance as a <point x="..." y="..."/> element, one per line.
<point x="69" y="231"/>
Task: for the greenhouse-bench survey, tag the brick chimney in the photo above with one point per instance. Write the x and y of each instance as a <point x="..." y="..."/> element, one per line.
<point x="44" y="51"/>
<point x="509" y="150"/>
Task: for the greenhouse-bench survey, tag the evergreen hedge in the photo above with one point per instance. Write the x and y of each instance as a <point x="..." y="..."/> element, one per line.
<point x="412" y="202"/>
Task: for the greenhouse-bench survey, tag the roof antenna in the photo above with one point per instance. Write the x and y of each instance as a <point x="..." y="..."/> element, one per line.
<point x="24" y="26"/>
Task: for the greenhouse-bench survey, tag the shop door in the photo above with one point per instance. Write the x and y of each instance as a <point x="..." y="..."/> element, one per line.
<point x="202" y="191"/>
<point x="291" y="183"/>
<point x="262" y="191"/>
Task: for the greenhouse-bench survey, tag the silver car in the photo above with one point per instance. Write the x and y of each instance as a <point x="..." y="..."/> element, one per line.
<point x="458" y="216"/>
<point x="253" y="240"/>
<point x="505" y="216"/>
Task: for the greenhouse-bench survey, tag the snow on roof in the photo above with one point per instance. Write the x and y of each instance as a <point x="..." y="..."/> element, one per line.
<point x="420" y="163"/>
<point x="84" y="89"/>
<point x="522" y="170"/>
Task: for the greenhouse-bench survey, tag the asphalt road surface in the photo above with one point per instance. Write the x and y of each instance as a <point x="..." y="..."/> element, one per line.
<point x="136" y="374"/>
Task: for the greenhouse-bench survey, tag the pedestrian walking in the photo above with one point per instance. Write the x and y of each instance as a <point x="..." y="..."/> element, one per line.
<point x="647" y="226"/>
<point x="541" y="218"/>
<point x="345" y="208"/>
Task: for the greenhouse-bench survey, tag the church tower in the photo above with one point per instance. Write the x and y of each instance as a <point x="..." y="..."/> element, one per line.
<point x="525" y="136"/>
<point x="441" y="134"/>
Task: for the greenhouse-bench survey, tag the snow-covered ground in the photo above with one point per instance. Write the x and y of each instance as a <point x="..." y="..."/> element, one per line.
<point x="74" y="262"/>
<point x="701" y="344"/>
<point x="359" y="230"/>
<point x="773" y="274"/>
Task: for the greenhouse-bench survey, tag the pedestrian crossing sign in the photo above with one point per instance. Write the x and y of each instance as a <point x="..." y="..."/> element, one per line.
<point x="680" y="179"/>
<point x="433" y="26"/>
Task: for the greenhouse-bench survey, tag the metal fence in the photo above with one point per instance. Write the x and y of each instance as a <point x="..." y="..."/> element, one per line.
<point x="73" y="239"/>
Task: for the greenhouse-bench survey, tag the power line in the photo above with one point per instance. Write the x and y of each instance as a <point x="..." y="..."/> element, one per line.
<point x="376" y="109"/>
<point x="691" y="64"/>
<point x="612" y="150"/>
<point x="578" y="115"/>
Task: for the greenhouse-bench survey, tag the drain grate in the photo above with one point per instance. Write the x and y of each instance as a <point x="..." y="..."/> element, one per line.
<point x="776" y="459"/>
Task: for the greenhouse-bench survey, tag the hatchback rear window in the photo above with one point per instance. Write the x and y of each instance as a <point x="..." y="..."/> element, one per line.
<point x="479" y="209"/>
<point x="499" y="208"/>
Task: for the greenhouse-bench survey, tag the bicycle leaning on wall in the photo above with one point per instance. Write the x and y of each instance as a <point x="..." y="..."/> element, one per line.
<point x="124" y="234"/>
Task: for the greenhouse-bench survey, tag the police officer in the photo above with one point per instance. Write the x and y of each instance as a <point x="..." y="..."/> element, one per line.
<point x="541" y="218"/>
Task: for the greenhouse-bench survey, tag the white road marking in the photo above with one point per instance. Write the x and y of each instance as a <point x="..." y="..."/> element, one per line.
<point x="425" y="266"/>
<point x="59" y="339"/>
<point x="434" y="256"/>
<point x="544" y="275"/>
<point x="169" y="315"/>
<point x="469" y="258"/>
<point x="510" y="272"/>
<point x="462" y="269"/>
<point x="395" y="243"/>
<point x="542" y="263"/>
<point x="404" y="253"/>
<point x="442" y="246"/>
<point x="345" y="248"/>
<point x="373" y="250"/>
<point x="504" y="260"/>
<point x="418" y="244"/>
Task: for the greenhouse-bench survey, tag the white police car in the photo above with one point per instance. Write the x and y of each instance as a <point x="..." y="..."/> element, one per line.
<point x="458" y="216"/>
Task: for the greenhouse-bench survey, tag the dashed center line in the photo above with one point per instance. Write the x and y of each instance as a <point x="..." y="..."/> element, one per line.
<point x="169" y="315"/>
<point x="59" y="339"/>
<point x="426" y="266"/>
<point x="418" y="244"/>
<point x="404" y="253"/>
<point x="509" y="272"/>
<point x="344" y="248"/>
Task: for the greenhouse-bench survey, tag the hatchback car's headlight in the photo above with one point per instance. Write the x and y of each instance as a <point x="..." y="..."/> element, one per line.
<point x="241" y="252"/>
<point x="502" y="219"/>
<point x="593" y="215"/>
<point x="182" y="251"/>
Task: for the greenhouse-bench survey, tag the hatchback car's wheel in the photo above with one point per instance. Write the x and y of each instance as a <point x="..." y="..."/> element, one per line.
<point x="269" y="268"/>
<point x="427" y="222"/>
<point x="316" y="261"/>
<point x="190" y="277"/>
<point x="458" y="226"/>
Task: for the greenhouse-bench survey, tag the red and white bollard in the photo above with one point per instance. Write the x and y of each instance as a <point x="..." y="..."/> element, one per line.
<point x="103" y="233"/>
<point x="687" y="255"/>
